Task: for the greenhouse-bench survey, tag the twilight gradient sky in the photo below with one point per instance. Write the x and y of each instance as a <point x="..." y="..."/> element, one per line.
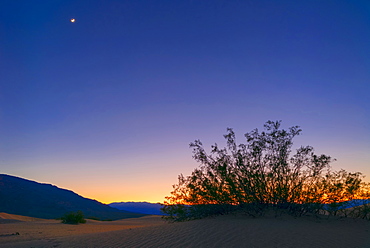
<point x="108" y="105"/>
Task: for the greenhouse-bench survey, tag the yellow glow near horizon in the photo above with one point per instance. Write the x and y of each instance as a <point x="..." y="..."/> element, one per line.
<point x="115" y="193"/>
<point x="73" y="20"/>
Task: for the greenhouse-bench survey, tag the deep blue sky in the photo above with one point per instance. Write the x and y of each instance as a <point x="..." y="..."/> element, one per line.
<point x="108" y="105"/>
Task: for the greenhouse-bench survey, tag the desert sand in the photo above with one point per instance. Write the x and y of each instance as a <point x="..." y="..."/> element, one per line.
<point x="222" y="231"/>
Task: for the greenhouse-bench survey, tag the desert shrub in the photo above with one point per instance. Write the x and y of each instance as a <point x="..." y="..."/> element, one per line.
<point x="93" y="218"/>
<point x="73" y="218"/>
<point x="98" y="219"/>
<point x="182" y="212"/>
<point x="362" y="212"/>
<point x="261" y="175"/>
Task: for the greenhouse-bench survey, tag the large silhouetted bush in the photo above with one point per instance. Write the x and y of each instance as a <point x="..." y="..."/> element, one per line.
<point x="261" y="175"/>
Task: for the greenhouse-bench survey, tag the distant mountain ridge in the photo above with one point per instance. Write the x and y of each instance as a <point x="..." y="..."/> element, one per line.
<point x="138" y="207"/>
<point x="29" y="198"/>
<point x="349" y="204"/>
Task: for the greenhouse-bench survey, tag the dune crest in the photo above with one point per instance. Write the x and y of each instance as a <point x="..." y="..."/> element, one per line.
<point x="7" y="216"/>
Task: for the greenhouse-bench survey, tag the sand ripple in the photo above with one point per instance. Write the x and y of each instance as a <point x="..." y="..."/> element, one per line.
<point x="222" y="231"/>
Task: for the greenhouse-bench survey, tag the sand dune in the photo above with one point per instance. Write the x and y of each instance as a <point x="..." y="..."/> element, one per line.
<point x="222" y="231"/>
<point x="5" y="217"/>
<point x="44" y="230"/>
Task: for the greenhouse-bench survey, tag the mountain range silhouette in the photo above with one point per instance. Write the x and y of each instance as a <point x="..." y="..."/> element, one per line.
<point x="29" y="198"/>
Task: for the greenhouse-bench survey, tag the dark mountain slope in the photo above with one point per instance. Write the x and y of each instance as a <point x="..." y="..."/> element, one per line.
<point x="29" y="198"/>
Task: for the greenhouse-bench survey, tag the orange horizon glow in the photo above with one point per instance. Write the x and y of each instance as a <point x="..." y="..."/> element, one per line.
<point x="112" y="194"/>
<point x="107" y="198"/>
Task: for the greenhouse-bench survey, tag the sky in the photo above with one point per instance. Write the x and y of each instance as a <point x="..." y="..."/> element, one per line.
<point x="107" y="106"/>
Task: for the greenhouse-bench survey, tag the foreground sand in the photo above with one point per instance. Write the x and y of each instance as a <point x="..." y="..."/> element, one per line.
<point x="222" y="231"/>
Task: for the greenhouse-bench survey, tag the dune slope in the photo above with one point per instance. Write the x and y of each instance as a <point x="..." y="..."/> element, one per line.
<point x="222" y="231"/>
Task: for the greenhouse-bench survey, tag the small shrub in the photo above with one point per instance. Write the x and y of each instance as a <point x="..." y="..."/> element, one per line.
<point x="98" y="219"/>
<point x="93" y="218"/>
<point x="73" y="218"/>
